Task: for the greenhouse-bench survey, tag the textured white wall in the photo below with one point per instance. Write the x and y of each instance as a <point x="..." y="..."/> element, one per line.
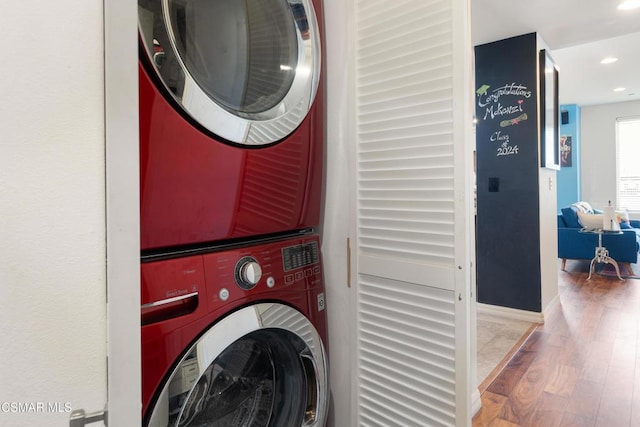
<point x="52" y="221"/>
<point x="339" y="216"/>
<point x="598" y="152"/>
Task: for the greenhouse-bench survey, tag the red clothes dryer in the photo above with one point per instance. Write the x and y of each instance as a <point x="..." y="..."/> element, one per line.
<point x="236" y="337"/>
<point x="231" y="119"/>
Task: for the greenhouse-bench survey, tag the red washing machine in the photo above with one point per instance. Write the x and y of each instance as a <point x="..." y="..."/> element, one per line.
<point x="231" y="119"/>
<point x="236" y="337"/>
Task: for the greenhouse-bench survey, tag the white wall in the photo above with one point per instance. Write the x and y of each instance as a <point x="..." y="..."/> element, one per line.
<point x="52" y="213"/>
<point x="338" y="215"/>
<point x="548" y="237"/>
<point x="547" y="193"/>
<point x="598" y="153"/>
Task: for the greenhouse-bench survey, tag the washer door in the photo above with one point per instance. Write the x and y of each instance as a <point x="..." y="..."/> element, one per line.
<point x="263" y="365"/>
<point x="245" y="70"/>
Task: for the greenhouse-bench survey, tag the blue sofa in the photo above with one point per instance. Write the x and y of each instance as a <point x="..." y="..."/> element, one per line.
<point x="572" y="244"/>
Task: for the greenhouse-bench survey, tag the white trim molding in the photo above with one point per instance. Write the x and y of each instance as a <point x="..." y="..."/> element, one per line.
<point x="550" y="307"/>
<point x="511" y="313"/>
<point x="476" y="402"/>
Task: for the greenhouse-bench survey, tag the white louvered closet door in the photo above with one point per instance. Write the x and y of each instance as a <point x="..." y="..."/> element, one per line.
<point x="412" y="212"/>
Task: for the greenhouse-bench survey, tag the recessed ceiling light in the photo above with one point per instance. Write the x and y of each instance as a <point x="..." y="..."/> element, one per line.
<point x="629" y="4"/>
<point x="619" y="89"/>
<point x="609" y="60"/>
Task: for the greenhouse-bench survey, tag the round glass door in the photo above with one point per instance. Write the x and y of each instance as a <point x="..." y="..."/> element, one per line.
<point x="246" y="70"/>
<point x="274" y="374"/>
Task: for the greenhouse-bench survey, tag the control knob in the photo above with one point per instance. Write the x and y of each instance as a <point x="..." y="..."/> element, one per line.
<point x="248" y="272"/>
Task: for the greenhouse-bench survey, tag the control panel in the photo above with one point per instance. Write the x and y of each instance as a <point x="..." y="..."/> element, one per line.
<point x="200" y="283"/>
<point x="287" y="265"/>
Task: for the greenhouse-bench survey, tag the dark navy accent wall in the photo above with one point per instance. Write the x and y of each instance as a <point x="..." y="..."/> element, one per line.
<point x="508" y="218"/>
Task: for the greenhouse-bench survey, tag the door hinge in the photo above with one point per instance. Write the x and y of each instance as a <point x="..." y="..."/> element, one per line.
<point x="79" y="418"/>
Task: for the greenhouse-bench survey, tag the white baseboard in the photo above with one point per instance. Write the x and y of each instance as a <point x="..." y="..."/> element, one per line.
<point x="476" y="402"/>
<point x="511" y="313"/>
<point x="550" y="307"/>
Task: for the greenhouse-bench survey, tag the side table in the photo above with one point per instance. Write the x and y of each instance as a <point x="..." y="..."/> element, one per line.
<point x="602" y="254"/>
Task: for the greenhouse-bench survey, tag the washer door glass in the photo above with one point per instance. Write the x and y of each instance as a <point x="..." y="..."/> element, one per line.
<point x="246" y="70"/>
<point x="270" y="376"/>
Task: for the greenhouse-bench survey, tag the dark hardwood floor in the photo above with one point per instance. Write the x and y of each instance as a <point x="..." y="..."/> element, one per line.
<point x="582" y="367"/>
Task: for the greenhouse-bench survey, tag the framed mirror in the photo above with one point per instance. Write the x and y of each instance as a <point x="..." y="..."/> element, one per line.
<point x="549" y="112"/>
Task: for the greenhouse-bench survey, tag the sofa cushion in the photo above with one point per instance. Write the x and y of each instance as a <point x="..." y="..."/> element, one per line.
<point x="570" y="216"/>
<point x="590" y="220"/>
<point x="583" y="207"/>
<point x="623" y="217"/>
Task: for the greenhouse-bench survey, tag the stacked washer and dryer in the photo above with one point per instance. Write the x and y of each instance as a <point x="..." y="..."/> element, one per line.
<point x="231" y="161"/>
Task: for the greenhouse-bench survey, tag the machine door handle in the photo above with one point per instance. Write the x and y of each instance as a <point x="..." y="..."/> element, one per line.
<point x="168" y="308"/>
<point x="169" y="300"/>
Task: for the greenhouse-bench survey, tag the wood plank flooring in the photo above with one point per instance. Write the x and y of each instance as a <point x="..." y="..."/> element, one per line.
<point x="581" y="368"/>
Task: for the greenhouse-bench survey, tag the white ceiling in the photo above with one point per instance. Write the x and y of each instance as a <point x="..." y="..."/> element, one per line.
<point x="579" y="33"/>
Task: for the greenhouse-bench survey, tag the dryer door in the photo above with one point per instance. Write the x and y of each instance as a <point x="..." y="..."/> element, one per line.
<point x="263" y="365"/>
<point x="245" y="70"/>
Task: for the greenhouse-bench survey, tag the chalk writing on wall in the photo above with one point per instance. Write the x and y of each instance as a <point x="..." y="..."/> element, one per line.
<point x="503" y="106"/>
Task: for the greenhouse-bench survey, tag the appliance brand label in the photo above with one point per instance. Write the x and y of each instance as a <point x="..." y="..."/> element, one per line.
<point x="177" y="292"/>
